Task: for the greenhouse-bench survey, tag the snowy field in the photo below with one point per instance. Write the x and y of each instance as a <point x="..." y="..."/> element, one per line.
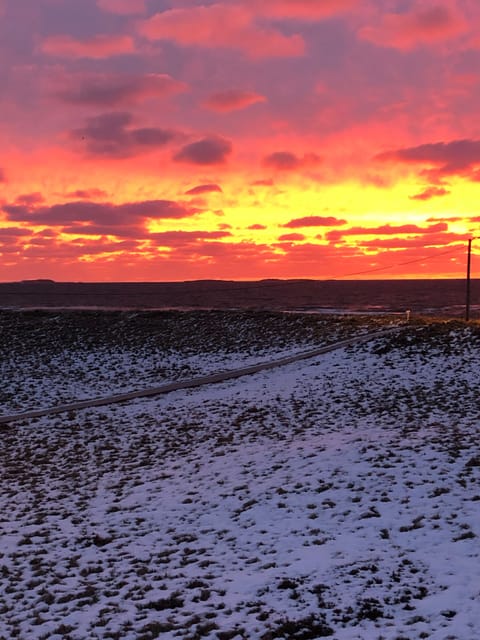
<point x="49" y="358"/>
<point x="335" y="497"/>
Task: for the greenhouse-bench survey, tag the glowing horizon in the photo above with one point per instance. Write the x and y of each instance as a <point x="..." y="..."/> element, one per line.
<point x="173" y="140"/>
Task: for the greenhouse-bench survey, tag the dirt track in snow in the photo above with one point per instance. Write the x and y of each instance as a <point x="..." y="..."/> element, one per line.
<point x="221" y="376"/>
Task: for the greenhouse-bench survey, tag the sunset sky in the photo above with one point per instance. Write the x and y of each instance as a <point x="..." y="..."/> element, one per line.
<point x="238" y="139"/>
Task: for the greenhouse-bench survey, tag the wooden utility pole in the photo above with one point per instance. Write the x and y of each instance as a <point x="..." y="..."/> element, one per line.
<point x="469" y="263"/>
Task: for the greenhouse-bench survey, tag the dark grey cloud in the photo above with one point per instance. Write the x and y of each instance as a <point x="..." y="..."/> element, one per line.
<point x="457" y="156"/>
<point x="113" y="215"/>
<point x="208" y="151"/>
<point x="113" y="90"/>
<point x="151" y="137"/>
<point x="123" y="7"/>
<point x="112" y="134"/>
<point x="13" y="232"/>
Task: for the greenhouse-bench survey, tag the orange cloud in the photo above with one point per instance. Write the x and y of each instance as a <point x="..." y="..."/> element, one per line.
<point x="221" y="25"/>
<point x="468" y="219"/>
<point x="386" y="229"/>
<point x="97" y="47"/>
<point x="182" y="238"/>
<point x="446" y="219"/>
<point x="313" y="221"/>
<point x="263" y="183"/>
<point x="232" y="100"/>
<point x="174" y="257"/>
<point x="434" y="240"/>
<point x="421" y="26"/>
<point x="429" y="193"/>
<point x="291" y="237"/>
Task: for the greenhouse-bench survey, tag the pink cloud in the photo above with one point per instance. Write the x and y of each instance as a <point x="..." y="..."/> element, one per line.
<point x="288" y="161"/>
<point x="87" y="194"/>
<point x="232" y="100"/>
<point x="97" y="47"/>
<point x="209" y="151"/>
<point x="123" y="7"/>
<point x="303" y="9"/>
<point x="426" y="25"/>
<point x="3" y="177"/>
<point x="313" y="221"/>
<point x="13" y="232"/>
<point x="109" y="90"/>
<point x="204" y="188"/>
<point x="257" y="227"/>
<point x="222" y="25"/>
<point x="30" y="198"/>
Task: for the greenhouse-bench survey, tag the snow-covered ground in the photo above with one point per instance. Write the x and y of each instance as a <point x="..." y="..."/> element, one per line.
<point x="50" y="358"/>
<point x="336" y="497"/>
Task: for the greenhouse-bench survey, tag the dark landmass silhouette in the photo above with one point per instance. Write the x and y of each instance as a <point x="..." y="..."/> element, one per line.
<point x="420" y="296"/>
